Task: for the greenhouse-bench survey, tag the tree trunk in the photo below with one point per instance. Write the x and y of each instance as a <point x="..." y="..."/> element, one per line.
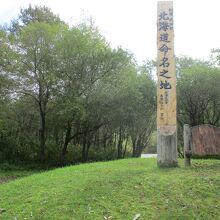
<point x="120" y="144"/>
<point x="134" y="146"/>
<point x="98" y="137"/>
<point x="84" y="149"/>
<point x="187" y="144"/>
<point x="104" y="141"/>
<point x="137" y="147"/>
<point x="42" y="136"/>
<point x="65" y="145"/>
<point x="125" y="148"/>
<point x="87" y="151"/>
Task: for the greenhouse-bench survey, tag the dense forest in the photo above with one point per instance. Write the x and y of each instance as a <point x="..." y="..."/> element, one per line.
<point x="67" y="96"/>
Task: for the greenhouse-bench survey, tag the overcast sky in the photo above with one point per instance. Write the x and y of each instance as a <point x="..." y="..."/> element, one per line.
<point x="132" y="23"/>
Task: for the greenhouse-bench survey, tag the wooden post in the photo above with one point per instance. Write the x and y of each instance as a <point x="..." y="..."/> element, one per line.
<point x="187" y="144"/>
<point x="166" y="88"/>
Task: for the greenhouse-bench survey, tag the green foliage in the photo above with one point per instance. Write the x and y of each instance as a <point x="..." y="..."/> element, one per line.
<point x="67" y="96"/>
<point x="36" y="14"/>
<point x="120" y="189"/>
<point x="199" y="99"/>
<point x="198" y="86"/>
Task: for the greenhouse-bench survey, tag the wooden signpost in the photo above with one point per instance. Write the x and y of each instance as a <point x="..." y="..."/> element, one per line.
<point x="166" y="87"/>
<point x="201" y="141"/>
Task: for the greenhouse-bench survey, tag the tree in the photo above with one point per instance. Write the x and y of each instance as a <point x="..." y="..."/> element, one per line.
<point x="65" y="89"/>
<point x="32" y="15"/>
<point x="198" y="86"/>
<point x="86" y="58"/>
<point x="129" y="101"/>
<point x="35" y="73"/>
<point x="143" y="119"/>
<point x="198" y="96"/>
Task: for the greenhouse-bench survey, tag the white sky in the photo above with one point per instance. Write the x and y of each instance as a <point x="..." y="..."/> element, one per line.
<point x="132" y="23"/>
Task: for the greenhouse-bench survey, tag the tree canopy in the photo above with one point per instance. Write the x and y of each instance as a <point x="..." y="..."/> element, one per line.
<point x="74" y="98"/>
<point x="67" y="96"/>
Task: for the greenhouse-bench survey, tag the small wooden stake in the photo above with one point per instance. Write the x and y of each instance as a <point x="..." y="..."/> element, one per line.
<point x="187" y="144"/>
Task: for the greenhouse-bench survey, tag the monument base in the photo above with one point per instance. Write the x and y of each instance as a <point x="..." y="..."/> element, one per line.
<point x="167" y="149"/>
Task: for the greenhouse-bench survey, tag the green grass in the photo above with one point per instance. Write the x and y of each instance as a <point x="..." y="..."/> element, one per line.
<point x="116" y="190"/>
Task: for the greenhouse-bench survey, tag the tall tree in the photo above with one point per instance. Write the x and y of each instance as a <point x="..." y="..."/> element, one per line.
<point x="36" y="66"/>
<point x="40" y="14"/>
<point x="198" y="96"/>
<point x="86" y="58"/>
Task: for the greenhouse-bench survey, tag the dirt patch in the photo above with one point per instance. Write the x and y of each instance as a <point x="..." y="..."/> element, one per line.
<point x="7" y="179"/>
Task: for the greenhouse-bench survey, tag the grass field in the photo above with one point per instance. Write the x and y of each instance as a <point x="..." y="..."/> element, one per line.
<point x="122" y="189"/>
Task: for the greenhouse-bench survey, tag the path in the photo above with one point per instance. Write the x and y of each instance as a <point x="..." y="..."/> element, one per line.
<point x="148" y="155"/>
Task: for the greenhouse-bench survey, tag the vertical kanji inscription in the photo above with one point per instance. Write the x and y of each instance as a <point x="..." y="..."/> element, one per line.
<point x="166" y="91"/>
<point x="166" y="87"/>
